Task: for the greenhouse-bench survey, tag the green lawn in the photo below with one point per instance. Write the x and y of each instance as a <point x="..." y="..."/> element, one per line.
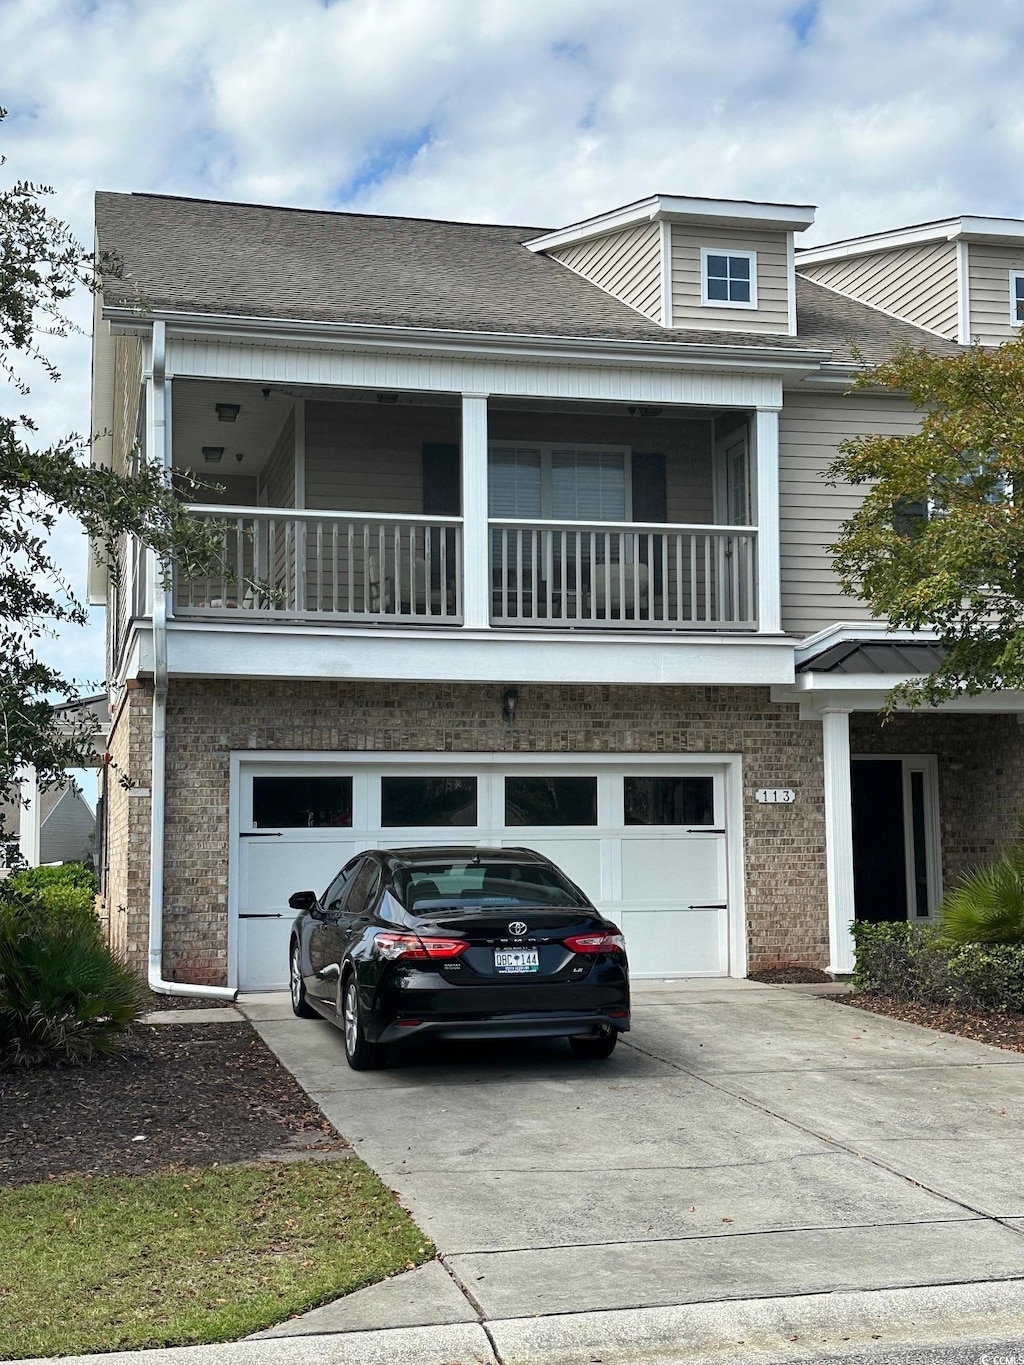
<point x="96" y="1263"/>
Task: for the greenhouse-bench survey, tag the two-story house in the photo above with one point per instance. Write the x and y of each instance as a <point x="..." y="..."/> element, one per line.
<point x="525" y="541"/>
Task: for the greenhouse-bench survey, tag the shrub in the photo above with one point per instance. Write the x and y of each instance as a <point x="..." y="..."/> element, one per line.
<point x="58" y="897"/>
<point x="915" y="965"/>
<point x="64" y="996"/>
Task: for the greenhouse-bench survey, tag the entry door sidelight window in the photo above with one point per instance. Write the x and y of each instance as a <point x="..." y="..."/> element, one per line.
<point x="414" y="802"/>
<point x="301" y="802"/>
<point x="669" y="800"/>
<point x="550" y="800"/>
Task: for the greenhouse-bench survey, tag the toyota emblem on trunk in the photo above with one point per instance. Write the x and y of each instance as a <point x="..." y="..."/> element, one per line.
<point x="517" y="928"/>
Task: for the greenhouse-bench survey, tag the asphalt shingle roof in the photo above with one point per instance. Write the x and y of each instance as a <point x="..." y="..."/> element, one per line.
<point x="202" y="256"/>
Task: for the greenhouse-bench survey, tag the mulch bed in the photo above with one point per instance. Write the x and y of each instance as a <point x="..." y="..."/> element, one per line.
<point x="790" y="976"/>
<point x="982" y="1026"/>
<point x="195" y="1094"/>
<point x="183" y="1002"/>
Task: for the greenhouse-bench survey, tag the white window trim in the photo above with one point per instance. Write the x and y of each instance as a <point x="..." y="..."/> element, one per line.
<point x="1014" y="276"/>
<point x="750" y="256"/>
<point x="547" y="449"/>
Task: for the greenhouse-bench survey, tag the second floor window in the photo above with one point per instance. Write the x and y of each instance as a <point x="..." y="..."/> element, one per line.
<point x="560" y="483"/>
<point x="728" y="278"/>
<point x="1017" y="297"/>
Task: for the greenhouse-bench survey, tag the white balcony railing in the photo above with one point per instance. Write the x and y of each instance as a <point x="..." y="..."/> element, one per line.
<point x="655" y="576"/>
<point x="286" y="564"/>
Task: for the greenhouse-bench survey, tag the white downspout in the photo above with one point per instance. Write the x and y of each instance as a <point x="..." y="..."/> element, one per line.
<point x="160" y="445"/>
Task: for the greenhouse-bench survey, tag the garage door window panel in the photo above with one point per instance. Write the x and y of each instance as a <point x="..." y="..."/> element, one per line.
<point x="301" y="802"/>
<point x="418" y="802"/>
<point x="686" y="801"/>
<point x="544" y="801"/>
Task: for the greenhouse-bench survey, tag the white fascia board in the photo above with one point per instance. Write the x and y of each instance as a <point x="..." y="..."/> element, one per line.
<point x="641" y="211"/>
<point x="505" y="345"/>
<point x="492" y="345"/>
<point x="208" y="650"/>
<point x="945" y="231"/>
<point x="737" y="212"/>
<point x="683" y="209"/>
<point x="871" y="699"/>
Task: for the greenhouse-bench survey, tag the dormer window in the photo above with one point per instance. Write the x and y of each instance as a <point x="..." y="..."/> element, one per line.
<point x="728" y="278"/>
<point x="1017" y="297"/>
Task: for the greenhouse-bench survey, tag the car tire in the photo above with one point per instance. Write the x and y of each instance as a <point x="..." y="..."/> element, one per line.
<point x="590" y="1048"/>
<point x="300" y="1002"/>
<point x="360" y="1054"/>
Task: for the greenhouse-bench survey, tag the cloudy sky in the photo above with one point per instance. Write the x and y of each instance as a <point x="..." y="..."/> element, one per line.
<point x="538" y="112"/>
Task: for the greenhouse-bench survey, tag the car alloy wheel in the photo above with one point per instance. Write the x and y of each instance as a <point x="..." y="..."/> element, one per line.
<point x="360" y="1055"/>
<point x="300" y="1004"/>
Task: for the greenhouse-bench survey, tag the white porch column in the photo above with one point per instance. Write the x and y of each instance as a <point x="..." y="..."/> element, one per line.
<point x="769" y="587"/>
<point x="476" y="556"/>
<point x="28" y="829"/>
<point x="835" y="735"/>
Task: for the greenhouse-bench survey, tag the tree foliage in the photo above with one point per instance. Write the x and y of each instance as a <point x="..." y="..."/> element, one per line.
<point x="938" y="542"/>
<point x="42" y="267"/>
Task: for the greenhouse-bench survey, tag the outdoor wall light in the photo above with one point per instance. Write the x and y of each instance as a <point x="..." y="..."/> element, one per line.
<point x="509" y="702"/>
<point x="213" y="454"/>
<point x="227" y="412"/>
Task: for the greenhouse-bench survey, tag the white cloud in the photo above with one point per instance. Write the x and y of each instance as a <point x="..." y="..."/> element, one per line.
<point x="881" y="112"/>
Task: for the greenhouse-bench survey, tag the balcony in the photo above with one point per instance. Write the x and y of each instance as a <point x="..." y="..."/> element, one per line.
<point x="431" y="511"/>
<point x="278" y="564"/>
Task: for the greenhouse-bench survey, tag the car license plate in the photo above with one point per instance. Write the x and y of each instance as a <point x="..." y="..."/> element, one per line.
<point x="516" y="960"/>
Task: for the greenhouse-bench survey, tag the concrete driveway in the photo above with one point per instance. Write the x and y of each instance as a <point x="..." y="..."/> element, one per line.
<point x="745" y="1143"/>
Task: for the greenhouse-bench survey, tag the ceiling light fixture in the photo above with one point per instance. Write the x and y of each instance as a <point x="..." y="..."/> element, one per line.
<point x="213" y="454"/>
<point x="227" y="412"/>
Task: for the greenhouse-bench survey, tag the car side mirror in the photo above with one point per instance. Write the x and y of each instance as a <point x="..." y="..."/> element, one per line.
<point x="302" y="900"/>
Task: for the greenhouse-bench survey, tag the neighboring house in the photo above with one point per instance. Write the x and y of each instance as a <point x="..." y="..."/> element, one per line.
<point x="67" y="828"/>
<point x="526" y="534"/>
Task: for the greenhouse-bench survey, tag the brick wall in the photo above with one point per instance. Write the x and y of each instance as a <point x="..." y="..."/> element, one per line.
<point x="126" y="846"/>
<point x="981" y="777"/>
<point x="784" y="845"/>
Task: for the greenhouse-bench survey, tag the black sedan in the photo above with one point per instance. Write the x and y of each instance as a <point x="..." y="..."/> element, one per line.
<point x="457" y="943"/>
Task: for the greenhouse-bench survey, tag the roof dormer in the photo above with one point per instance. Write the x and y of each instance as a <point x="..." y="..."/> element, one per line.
<point x="723" y="265"/>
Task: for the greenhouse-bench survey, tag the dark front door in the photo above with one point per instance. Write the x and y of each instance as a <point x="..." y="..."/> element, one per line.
<point x="879" y="840"/>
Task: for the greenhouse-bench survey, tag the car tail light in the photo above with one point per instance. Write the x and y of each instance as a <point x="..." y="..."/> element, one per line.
<point x="416" y="946"/>
<point x="612" y="942"/>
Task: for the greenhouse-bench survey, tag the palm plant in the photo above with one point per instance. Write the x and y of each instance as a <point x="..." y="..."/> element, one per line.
<point x="987" y="905"/>
<point x="64" y="996"/>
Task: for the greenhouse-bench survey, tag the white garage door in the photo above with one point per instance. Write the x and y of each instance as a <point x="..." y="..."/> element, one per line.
<point x="647" y="843"/>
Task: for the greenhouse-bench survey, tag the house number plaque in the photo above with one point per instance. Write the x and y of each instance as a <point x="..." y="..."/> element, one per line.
<point x="775" y="796"/>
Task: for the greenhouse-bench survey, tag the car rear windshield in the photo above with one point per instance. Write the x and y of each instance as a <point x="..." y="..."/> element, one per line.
<point x="467" y="882"/>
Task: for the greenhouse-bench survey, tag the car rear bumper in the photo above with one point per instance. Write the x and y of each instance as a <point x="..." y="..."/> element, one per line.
<point x="526" y="1025"/>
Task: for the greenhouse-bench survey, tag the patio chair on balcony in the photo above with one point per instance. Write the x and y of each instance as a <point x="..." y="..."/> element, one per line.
<point x="410" y="592"/>
<point x="616" y="597"/>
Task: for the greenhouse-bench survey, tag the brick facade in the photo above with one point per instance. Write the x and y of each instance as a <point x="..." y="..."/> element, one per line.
<point x="784" y="858"/>
<point x="125" y="885"/>
<point x="981" y="777"/>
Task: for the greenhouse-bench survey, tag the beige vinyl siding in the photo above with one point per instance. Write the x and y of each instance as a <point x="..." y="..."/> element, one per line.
<point x="626" y="264"/>
<point x="278" y="477"/>
<point x="988" y="269"/>
<point x="772" y="311"/>
<point x="127" y="398"/>
<point x="367" y="457"/>
<point x="811" y="427"/>
<point x="918" y="283"/>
